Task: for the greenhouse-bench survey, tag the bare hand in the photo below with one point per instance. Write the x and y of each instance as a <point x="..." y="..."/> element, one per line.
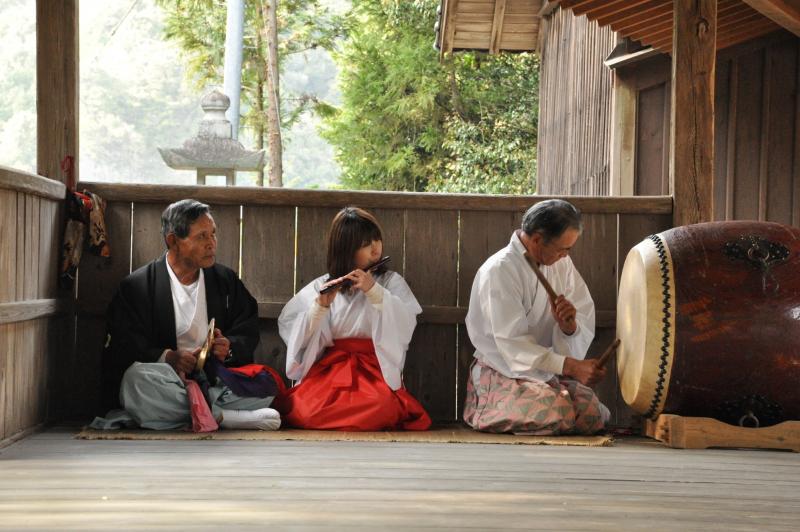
<point x="587" y="372"/>
<point x="564" y="312"/>
<point x="182" y="360"/>
<point x="361" y="280"/>
<point x="221" y="346"/>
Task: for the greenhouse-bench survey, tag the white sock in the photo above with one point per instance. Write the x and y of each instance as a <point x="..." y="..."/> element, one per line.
<point x="262" y="419"/>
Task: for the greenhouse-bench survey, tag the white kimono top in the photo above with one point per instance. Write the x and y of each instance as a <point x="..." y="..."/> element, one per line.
<point x="510" y="322"/>
<point x="387" y="314"/>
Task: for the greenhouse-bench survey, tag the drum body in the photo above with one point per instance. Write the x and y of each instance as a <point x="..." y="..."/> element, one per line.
<point x="709" y="318"/>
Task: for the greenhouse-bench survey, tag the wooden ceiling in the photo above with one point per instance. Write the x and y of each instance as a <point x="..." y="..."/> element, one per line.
<point x="490" y="25"/>
<point x="650" y="21"/>
<point x="513" y="25"/>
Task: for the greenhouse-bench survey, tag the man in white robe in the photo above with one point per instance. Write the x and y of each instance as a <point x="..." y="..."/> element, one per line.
<point x="158" y="322"/>
<point x="529" y="374"/>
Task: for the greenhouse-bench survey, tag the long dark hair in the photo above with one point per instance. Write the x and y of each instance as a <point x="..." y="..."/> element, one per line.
<point x="352" y="228"/>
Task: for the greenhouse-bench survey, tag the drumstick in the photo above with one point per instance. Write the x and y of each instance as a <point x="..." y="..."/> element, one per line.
<point x="606" y="356"/>
<point x="541" y="277"/>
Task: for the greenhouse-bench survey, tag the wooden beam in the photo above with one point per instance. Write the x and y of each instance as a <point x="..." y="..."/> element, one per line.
<point x="497" y="26"/>
<point x="692" y="120"/>
<point x="28" y="183"/>
<point x="31" y="310"/>
<point x="56" y="86"/>
<point x="783" y="12"/>
<point x="449" y="28"/>
<point x="288" y="197"/>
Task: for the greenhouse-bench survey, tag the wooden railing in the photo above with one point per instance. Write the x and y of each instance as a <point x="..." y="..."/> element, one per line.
<point x="275" y="238"/>
<point x="32" y="317"/>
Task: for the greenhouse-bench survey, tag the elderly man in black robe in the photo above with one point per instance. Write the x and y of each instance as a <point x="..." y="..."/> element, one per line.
<point x="157" y="323"/>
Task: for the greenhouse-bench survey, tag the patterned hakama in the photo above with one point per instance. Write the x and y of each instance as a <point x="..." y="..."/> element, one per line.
<point x="496" y="403"/>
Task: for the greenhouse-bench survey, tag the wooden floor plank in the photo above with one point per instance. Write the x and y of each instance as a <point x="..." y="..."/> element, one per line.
<point x="50" y="480"/>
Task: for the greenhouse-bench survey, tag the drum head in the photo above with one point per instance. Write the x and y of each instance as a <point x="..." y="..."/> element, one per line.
<point x="646" y="325"/>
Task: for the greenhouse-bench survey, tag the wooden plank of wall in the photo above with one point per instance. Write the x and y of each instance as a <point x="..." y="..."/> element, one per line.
<point x="268" y="245"/>
<point x="50" y="229"/>
<point x="650" y="140"/>
<point x="431" y="363"/>
<point x="596" y="260"/>
<point x="393" y="224"/>
<point x="227" y="219"/>
<point x="312" y="233"/>
<point x="79" y="382"/>
<point x="780" y="135"/>
<point x="748" y="145"/>
<point x="268" y="252"/>
<point x="148" y="244"/>
<point x="575" y="106"/>
<point x="724" y="126"/>
<point x="482" y="234"/>
<point x="8" y="245"/>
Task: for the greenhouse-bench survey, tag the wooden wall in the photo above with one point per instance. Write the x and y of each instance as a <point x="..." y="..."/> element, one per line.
<point x="33" y="328"/>
<point x="757" y="129"/>
<point x="436" y="241"/>
<point x="575" y="106"/>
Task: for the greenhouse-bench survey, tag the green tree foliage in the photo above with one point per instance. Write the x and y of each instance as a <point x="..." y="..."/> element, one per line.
<point x="410" y="122"/>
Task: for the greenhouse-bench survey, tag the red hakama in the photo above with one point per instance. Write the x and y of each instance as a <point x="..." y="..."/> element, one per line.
<point x="345" y="390"/>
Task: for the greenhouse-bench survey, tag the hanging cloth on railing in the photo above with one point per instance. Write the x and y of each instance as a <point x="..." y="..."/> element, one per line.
<point x="83" y="209"/>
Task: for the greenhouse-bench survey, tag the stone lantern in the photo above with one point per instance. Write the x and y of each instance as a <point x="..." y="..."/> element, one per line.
<point x="213" y="151"/>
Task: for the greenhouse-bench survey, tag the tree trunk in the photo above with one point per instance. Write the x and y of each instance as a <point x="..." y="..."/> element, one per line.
<point x="273" y="95"/>
<point x="260" y="100"/>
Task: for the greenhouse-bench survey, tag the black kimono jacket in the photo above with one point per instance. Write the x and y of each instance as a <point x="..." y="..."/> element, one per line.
<point x="141" y="321"/>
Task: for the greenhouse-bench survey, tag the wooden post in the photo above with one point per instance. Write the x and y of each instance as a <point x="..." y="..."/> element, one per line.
<point x="56" y="86"/>
<point x="692" y="121"/>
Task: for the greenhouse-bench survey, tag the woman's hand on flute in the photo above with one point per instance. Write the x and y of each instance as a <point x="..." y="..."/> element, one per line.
<point x="325" y="300"/>
<point x="564" y="312"/>
<point x="361" y="280"/>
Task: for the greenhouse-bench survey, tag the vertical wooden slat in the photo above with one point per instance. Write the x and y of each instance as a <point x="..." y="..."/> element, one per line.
<point x="482" y="234"/>
<point x="692" y="123"/>
<point x="595" y="258"/>
<point x="8" y="245"/>
<point x="730" y="163"/>
<point x="722" y="98"/>
<point x="48" y="249"/>
<point x="431" y="272"/>
<point x="6" y="349"/>
<point x="779" y="131"/>
<point x="312" y="231"/>
<point x="764" y="149"/>
<point x="748" y="139"/>
<point x="148" y="244"/>
<point x="796" y="158"/>
<point x="393" y="224"/>
<point x="8" y="279"/>
<point x="226" y="217"/>
<point x="98" y="277"/>
<point x="28" y="344"/>
<point x="57" y="54"/>
<point x="268" y="252"/>
<point x="79" y="375"/>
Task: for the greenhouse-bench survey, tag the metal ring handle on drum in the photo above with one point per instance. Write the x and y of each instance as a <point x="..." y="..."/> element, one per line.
<point x="758" y="254"/>
<point x="749" y="416"/>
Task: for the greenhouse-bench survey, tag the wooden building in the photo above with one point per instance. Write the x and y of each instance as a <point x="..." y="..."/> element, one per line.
<point x="606" y="97"/>
<point x="608" y="133"/>
<point x="51" y="339"/>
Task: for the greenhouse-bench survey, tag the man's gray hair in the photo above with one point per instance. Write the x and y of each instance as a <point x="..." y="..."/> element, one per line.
<point x="551" y="218"/>
<point x="179" y="217"/>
